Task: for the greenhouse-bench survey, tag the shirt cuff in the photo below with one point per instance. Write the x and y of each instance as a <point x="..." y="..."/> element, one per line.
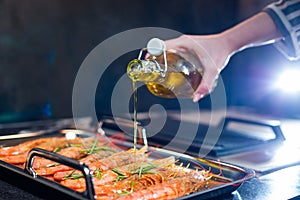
<point x="289" y="44"/>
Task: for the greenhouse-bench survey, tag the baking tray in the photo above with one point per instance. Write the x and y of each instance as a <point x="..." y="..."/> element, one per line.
<point x="238" y="135"/>
<point x="47" y="189"/>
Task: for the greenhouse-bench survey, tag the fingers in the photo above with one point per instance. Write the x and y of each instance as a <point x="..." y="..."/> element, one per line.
<point x="208" y="83"/>
<point x="211" y="62"/>
<point x="178" y="43"/>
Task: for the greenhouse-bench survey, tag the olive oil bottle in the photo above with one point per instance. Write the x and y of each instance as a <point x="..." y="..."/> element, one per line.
<point x="167" y="73"/>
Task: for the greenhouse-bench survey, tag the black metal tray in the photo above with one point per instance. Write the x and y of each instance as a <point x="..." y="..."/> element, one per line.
<point x="40" y="186"/>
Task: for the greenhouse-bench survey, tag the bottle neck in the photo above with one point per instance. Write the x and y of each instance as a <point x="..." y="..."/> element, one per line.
<point x="144" y="70"/>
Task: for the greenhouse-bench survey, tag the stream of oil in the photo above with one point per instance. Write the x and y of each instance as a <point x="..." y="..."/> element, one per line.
<point x="134" y="114"/>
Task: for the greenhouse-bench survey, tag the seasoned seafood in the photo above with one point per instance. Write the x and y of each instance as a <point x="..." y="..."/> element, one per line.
<point x="117" y="174"/>
<point x="110" y="176"/>
<point x="169" y="189"/>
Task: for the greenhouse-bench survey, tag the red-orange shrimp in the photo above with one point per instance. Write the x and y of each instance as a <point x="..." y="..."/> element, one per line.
<point x="47" y="171"/>
<point x="44" y="143"/>
<point x="70" y="152"/>
<point x="115" y="160"/>
<point x="134" y="183"/>
<point x="18" y="154"/>
<point x="21" y="148"/>
<point x="61" y="174"/>
<point x="112" y="175"/>
<point x="169" y="189"/>
<point x="16" y="160"/>
<point x="67" y="178"/>
<point x="97" y="156"/>
<point x="119" y="159"/>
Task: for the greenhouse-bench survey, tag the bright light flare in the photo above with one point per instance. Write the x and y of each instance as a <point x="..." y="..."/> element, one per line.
<point x="289" y="81"/>
<point x="70" y="135"/>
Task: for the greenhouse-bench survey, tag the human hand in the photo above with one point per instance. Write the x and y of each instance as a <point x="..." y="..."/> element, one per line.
<point x="211" y="50"/>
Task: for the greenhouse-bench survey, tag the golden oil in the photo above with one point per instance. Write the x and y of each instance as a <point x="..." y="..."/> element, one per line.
<point x="180" y="79"/>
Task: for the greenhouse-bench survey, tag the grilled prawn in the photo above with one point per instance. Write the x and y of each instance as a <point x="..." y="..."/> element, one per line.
<point x="172" y="188"/>
<point x="116" y="173"/>
<point x="110" y="162"/>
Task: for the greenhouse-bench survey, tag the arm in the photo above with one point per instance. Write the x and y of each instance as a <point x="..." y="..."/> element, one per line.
<point x="215" y="50"/>
<point x="257" y="30"/>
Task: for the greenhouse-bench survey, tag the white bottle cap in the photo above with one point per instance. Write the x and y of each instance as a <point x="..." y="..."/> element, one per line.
<point x="156" y="46"/>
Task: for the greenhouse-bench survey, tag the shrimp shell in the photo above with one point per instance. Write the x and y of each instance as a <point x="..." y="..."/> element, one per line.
<point x="119" y="159"/>
<point x="169" y="189"/>
<point x="114" y="189"/>
<point x="17" y="154"/>
<point x="110" y="176"/>
<point x="70" y="152"/>
<point x="22" y="148"/>
<point x="110" y="162"/>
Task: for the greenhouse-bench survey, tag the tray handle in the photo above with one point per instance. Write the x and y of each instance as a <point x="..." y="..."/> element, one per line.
<point x="89" y="192"/>
<point x="273" y="124"/>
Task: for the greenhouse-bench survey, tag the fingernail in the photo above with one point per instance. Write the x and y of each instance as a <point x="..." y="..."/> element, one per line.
<point x="197" y="97"/>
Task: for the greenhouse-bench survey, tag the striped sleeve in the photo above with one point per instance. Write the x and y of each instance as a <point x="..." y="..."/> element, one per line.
<point x="286" y="15"/>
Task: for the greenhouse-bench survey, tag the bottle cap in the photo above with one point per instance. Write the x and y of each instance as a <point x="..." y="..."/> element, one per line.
<point x="156" y="46"/>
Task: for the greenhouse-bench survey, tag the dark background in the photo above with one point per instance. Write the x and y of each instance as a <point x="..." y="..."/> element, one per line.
<point x="43" y="43"/>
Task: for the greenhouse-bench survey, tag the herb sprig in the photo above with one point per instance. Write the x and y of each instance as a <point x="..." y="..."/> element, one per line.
<point x="139" y="171"/>
<point x="120" y="175"/>
<point x="94" y="149"/>
<point x="97" y="173"/>
<point x="143" y="170"/>
<point x="125" y="192"/>
<point x="72" y="176"/>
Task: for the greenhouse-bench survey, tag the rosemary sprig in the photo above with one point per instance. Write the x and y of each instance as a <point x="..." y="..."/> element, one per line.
<point x="56" y="150"/>
<point x="120" y="175"/>
<point x="95" y="150"/>
<point x="143" y="170"/>
<point x="124" y="193"/>
<point x="139" y="171"/>
<point x="69" y="175"/>
<point x="52" y="165"/>
<point x="94" y="145"/>
<point x="97" y="173"/>
<point x="76" y="176"/>
<point x="74" y="145"/>
<point x="72" y="176"/>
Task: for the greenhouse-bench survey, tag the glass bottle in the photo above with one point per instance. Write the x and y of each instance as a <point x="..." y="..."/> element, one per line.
<point x="167" y="73"/>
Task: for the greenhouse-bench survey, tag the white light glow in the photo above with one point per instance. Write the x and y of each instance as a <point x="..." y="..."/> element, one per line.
<point x="70" y="135"/>
<point x="289" y="81"/>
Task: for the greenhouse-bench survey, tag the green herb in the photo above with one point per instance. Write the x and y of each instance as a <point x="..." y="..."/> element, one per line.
<point x="73" y="176"/>
<point x="95" y="150"/>
<point x="143" y="170"/>
<point x="56" y="150"/>
<point x="52" y="165"/>
<point x="76" y="176"/>
<point x="98" y="173"/>
<point x="124" y="193"/>
<point x="120" y="175"/>
<point x="69" y="175"/>
<point x="76" y="145"/>
<point x="93" y="147"/>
